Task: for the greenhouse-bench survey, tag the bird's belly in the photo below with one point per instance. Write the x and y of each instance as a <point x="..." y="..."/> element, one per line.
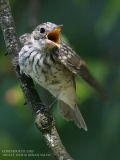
<point x="55" y="78"/>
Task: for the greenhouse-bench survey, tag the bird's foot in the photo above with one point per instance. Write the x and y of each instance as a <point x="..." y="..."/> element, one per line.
<point x="6" y="53"/>
<point x="53" y="102"/>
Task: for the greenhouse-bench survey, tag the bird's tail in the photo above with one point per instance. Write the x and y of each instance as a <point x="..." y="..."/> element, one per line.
<point x="72" y="114"/>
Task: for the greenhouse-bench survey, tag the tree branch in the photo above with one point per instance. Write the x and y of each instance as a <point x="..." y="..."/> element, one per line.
<point x="43" y="118"/>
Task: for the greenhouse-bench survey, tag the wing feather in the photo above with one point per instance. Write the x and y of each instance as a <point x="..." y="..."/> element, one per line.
<point x="75" y="64"/>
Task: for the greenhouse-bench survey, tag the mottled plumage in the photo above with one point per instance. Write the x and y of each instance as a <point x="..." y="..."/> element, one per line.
<point x="52" y="64"/>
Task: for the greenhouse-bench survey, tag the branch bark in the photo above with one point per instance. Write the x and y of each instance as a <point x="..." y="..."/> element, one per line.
<point x="43" y="119"/>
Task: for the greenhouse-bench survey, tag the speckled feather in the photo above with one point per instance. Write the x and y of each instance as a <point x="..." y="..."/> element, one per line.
<point x="53" y="68"/>
<point x="77" y="65"/>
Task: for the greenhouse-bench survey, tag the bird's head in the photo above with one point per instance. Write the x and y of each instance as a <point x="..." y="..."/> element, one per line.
<point x="45" y="36"/>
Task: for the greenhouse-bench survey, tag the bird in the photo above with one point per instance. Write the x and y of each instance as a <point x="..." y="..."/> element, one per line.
<point x="53" y="65"/>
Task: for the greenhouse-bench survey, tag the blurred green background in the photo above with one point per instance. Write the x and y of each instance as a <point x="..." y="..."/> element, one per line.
<point x="92" y="28"/>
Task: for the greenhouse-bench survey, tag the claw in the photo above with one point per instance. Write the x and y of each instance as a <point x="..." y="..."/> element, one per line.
<point x="6" y="53"/>
<point x="25" y="103"/>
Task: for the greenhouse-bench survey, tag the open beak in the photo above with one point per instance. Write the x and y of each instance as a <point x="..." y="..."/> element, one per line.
<point x="54" y="35"/>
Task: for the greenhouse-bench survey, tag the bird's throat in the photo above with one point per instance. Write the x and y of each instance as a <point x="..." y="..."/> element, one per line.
<point x="54" y="36"/>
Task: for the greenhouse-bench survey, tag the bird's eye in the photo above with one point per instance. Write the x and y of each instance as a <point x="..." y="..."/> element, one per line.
<point x="42" y="30"/>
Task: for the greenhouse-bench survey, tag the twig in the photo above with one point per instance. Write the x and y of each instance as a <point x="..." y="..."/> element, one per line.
<point x="43" y="119"/>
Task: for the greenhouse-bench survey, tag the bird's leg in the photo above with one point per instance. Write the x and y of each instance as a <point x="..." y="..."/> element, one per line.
<point x="53" y="102"/>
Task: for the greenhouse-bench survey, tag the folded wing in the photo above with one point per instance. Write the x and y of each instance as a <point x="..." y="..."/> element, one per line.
<point x="75" y="64"/>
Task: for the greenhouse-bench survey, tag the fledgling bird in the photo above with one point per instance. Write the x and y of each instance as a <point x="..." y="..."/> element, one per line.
<point x="53" y="64"/>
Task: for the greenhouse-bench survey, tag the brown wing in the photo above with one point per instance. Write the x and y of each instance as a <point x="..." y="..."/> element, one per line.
<point x="75" y="64"/>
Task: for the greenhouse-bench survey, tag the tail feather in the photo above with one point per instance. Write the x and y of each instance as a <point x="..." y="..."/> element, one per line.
<point x="72" y="114"/>
<point x="78" y="119"/>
